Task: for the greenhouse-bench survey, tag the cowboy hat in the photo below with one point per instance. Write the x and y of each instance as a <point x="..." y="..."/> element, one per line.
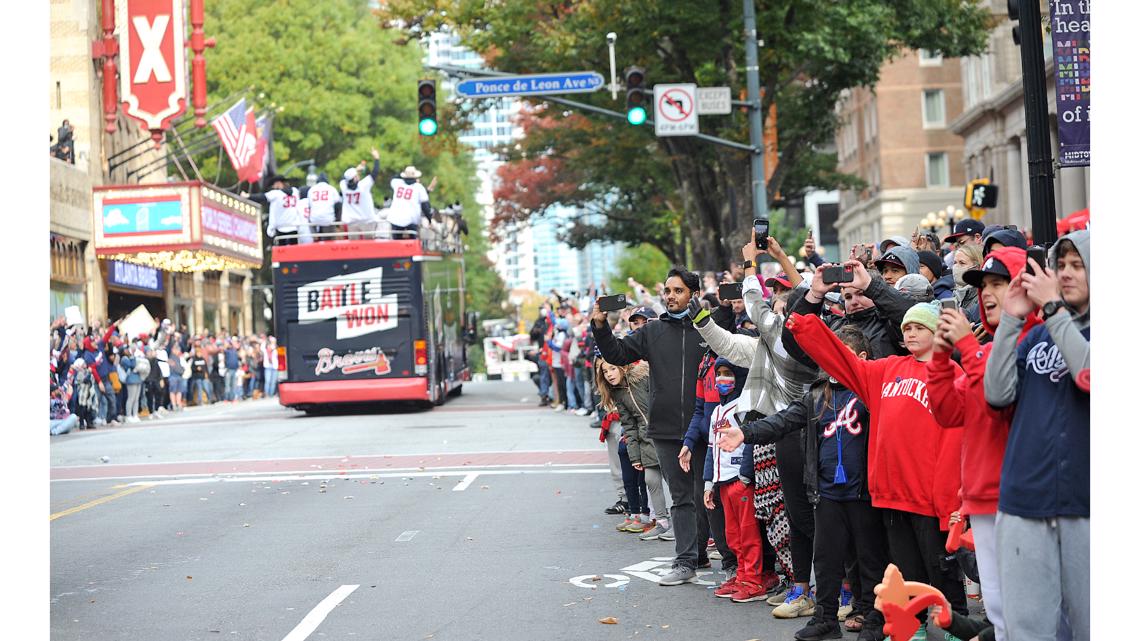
<point x="410" y="172"/>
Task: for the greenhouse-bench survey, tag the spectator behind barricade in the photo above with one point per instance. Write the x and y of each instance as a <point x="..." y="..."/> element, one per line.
<point x="831" y="424"/>
<point x="358" y="212"/>
<point x="966" y="258"/>
<point x="176" y="381"/>
<point x="1043" y="519"/>
<point x="960" y="401"/>
<point x="870" y="304"/>
<point x="897" y="262"/>
<point x="672" y="347"/>
<point x="931" y="267"/>
<point x="914" y="465"/>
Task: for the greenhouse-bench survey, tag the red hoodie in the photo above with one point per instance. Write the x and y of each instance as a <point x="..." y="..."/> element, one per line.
<point x="960" y="401"/>
<point x="912" y="464"/>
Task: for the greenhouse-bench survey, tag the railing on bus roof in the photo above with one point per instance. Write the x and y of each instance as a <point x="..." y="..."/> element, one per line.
<point x="431" y="237"/>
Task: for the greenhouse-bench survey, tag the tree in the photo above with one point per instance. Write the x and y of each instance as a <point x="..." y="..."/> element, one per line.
<point x="644" y="264"/>
<point x="813" y="51"/>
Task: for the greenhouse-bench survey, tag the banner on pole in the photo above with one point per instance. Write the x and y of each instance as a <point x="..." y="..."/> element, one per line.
<point x="1070" y="20"/>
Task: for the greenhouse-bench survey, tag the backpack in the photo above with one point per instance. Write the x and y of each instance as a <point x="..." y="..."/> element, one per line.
<point x="142" y="367"/>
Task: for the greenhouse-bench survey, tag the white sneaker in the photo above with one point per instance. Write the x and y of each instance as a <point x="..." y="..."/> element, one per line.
<point x="133" y="419"/>
<point x="581" y="411"/>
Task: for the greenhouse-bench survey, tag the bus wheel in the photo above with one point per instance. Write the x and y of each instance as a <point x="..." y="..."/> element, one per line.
<point x="458" y="391"/>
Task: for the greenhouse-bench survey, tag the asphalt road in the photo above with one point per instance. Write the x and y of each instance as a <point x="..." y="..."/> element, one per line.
<point x="478" y="520"/>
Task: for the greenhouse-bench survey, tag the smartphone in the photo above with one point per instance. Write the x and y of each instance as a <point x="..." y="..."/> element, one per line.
<point x="611" y="303"/>
<point x="730" y="291"/>
<point x="949" y="303"/>
<point x="1035" y="253"/>
<point x="838" y="274"/>
<point x="761" y="227"/>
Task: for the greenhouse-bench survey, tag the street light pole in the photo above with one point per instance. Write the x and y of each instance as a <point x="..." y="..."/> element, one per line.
<point x="1037" y="143"/>
<point x="755" y="113"/>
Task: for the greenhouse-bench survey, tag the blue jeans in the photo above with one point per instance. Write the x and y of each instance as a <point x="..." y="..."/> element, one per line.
<point x="582" y="400"/>
<point x="543" y="379"/>
<point x="108" y="402"/>
<point x="232" y="390"/>
<point x="198" y="386"/>
<point x="64" y="425"/>
<point x="270" y="381"/>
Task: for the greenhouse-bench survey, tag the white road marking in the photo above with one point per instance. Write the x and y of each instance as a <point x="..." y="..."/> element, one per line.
<point x="386" y="472"/>
<point x="318" y="614"/>
<point x="407" y="536"/>
<point x="467" y="480"/>
<point x="585" y="581"/>
<point x="386" y="475"/>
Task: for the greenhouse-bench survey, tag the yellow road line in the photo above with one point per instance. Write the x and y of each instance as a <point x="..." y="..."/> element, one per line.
<point x="100" y="501"/>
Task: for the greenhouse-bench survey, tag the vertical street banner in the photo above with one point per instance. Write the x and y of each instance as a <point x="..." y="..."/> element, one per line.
<point x="153" y="59"/>
<point x="1070" y="27"/>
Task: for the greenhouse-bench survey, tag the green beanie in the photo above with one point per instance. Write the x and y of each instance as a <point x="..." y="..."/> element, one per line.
<point x="925" y="314"/>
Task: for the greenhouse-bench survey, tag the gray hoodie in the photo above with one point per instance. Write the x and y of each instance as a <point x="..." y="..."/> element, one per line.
<point x="1001" y="379"/>
<point x="907" y="256"/>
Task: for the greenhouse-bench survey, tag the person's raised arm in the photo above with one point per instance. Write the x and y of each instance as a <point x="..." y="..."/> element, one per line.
<point x="375" y="173"/>
<point x="833" y="357"/>
<point x="1043" y="287"/>
<point x="807" y="303"/>
<point x="1002" y="374"/>
<point x="618" y="351"/>
<point x="786" y="264"/>
<point x="948" y="390"/>
<point x="891" y="303"/>
<point x="739" y="349"/>
<point x="768" y="323"/>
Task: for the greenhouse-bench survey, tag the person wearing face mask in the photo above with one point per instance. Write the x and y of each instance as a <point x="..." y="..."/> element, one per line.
<point x="358" y="212"/>
<point x="966" y="258"/>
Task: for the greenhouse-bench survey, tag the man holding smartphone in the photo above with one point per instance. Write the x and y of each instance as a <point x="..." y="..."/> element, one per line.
<point x="673" y="349"/>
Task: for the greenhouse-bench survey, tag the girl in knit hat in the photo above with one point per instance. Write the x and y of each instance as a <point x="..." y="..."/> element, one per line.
<point x="913" y="465"/>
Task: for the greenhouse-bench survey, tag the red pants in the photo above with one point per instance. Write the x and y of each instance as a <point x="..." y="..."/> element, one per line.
<point x="741" y="530"/>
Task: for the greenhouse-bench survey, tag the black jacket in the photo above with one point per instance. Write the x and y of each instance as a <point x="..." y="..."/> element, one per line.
<point x="800" y="416"/>
<point x="882" y="324"/>
<point x="673" y="349"/>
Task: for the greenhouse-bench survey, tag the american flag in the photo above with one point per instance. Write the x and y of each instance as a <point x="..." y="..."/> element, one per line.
<point x="238" y="133"/>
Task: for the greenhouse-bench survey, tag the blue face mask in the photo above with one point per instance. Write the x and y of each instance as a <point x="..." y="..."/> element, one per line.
<point x="725" y="388"/>
<point x="678" y="315"/>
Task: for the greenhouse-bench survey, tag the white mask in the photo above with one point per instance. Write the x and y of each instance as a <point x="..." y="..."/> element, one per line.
<point x="959" y="272"/>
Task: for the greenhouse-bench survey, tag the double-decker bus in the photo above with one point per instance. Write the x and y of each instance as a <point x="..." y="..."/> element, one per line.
<point x="369" y="320"/>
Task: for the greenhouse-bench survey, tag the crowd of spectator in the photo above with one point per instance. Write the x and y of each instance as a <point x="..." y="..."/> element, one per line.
<point x="101" y="377"/>
<point x="837" y="419"/>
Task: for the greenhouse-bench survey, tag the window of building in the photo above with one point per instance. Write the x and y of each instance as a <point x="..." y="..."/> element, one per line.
<point x="928" y="58"/>
<point x="67" y="264"/>
<point x="937" y="170"/>
<point x="933" y="109"/>
<point x="874" y="109"/>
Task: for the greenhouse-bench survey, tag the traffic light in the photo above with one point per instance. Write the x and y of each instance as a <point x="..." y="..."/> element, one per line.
<point x="636" y="96"/>
<point x="980" y="196"/>
<point x="427" y="110"/>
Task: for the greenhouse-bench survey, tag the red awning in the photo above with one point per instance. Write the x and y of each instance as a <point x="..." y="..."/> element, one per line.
<point x="1073" y="222"/>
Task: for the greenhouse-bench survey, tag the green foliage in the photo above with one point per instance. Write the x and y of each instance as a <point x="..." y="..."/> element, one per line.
<point x="644" y="263"/>
<point x="476" y="360"/>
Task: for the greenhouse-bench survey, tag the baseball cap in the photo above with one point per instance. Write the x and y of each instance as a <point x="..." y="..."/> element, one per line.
<point x="992" y="265"/>
<point x="916" y="286"/>
<point x="890" y="257"/>
<point x="643" y="312"/>
<point x="780" y="278"/>
<point x="350" y="173"/>
<point x="901" y="241"/>
<point x="1007" y="237"/>
<point x="967" y="227"/>
<point x="932" y="262"/>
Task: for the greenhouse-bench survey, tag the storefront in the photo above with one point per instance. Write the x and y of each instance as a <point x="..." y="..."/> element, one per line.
<point x="235" y="296"/>
<point x="211" y="301"/>
<point x="182" y="292"/>
<point x="68" y="275"/>
<point x="130" y="285"/>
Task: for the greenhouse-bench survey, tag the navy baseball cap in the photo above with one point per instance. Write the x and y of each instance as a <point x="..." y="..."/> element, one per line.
<point x="973" y="277"/>
<point x="967" y="227"/>
<point x="643" y="312"/>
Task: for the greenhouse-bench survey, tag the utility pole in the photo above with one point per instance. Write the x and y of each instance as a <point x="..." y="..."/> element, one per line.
<point x="1042" y="205"/>
<point x="755" y="113"/>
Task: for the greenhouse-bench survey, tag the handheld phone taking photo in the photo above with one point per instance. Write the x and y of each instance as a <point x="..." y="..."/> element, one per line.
<point x="1035" y="253"/>
<point x="730" y="291"/>
<point x="611" y="303"/>
<point x="838" y="274"/>
<point x="761" y="227"/>
<point x="949" y="303"/>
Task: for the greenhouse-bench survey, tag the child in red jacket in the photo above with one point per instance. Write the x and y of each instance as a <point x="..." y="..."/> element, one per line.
<point x="958" y="400"/>
<point x="913" y="465"/>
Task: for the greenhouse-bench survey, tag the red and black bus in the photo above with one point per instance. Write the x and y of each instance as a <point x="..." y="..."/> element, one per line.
<point x="368" y="320"/>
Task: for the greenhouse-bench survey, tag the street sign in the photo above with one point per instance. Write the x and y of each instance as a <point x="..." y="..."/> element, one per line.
<point x="714" y="101"/>
<point x="675" y="110"/>
<point x="537" y="84"/>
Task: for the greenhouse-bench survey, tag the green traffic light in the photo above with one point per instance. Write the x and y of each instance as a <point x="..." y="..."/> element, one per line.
<point x="636" y="116"/>
<point x="428" y="127"/>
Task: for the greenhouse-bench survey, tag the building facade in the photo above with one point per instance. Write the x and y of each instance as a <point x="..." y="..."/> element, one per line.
<point x="108" y="289"/>
<point x="992" y="126"/>
<point x="896" y="137"/>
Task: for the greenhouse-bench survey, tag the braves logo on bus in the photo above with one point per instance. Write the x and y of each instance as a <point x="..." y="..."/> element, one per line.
<point x="354" y="300"/>
<point x="353" y="362"/>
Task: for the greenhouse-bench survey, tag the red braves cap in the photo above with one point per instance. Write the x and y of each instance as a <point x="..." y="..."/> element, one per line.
<point x="780" y="278"/>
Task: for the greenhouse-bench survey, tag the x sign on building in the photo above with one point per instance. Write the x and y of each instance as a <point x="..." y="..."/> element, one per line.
<point x="153" y="63"/>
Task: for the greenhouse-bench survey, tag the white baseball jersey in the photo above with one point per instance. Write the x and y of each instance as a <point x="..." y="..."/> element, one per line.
<point x="284" y="216"/>
<point x="406" y="199"/>
<point x="322" y="198"/>
<point x="358" y="206"/>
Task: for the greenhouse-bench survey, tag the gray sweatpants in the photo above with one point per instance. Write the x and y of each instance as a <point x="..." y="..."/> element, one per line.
<point x="655" y="483"/>
<point x="1044" y="567"/>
